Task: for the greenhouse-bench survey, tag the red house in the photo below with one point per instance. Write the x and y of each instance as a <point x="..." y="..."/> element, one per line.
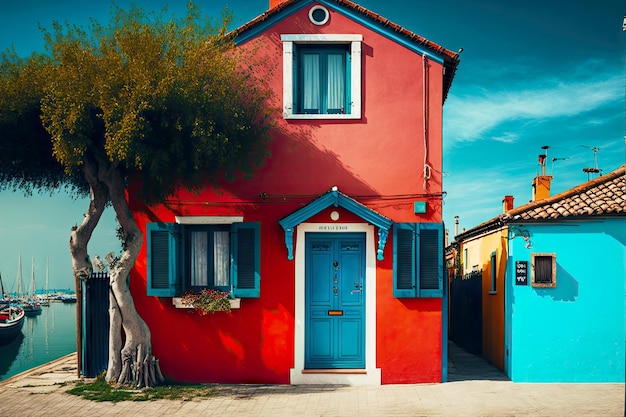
<point x="334" y="250"/>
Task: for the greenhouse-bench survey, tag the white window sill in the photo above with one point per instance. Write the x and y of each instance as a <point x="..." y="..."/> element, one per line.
<point x="291" y="116"/>
<point x="178" y="303"/>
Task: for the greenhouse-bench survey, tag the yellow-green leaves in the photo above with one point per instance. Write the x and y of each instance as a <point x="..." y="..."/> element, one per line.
<point x="161" y="96"/>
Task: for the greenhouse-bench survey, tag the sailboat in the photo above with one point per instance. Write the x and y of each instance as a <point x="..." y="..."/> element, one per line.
<point x="4" y="298"/>
<point x="46" y="300"/>
<point x="32" y="307"/>
<point x="11" y="320"/>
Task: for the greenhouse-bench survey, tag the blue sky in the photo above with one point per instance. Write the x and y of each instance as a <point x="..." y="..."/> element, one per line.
<point x="533" y="73"/>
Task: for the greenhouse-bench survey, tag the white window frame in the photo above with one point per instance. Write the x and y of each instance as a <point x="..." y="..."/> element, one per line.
<point x="354" y="40"/>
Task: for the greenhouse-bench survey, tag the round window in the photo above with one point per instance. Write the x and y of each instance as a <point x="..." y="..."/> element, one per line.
<point x="318" y="15"/>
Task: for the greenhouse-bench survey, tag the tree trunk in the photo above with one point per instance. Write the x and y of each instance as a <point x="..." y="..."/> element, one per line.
<point x="79" y="238"/>
<point x="134" y="362"/>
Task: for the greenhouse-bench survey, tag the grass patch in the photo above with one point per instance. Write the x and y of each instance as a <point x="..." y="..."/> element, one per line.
<point x="100" y="390"/>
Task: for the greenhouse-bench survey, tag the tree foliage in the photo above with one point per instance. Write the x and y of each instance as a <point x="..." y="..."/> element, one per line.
<point x="166" y="99"/>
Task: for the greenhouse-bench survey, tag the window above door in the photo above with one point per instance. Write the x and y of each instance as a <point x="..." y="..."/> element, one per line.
<point x="322" y="76"/>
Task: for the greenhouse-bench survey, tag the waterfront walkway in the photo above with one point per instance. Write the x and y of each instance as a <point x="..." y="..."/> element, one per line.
<point x="476" y="388"/>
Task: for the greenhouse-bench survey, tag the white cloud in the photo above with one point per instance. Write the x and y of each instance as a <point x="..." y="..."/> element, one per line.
<point x="480" y="114"/>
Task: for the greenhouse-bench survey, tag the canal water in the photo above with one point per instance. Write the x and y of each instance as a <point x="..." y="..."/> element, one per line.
<point x="45" y="337"/>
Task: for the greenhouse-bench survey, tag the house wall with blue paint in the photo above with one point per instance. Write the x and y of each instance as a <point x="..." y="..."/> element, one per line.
<point x="575" y="331"/>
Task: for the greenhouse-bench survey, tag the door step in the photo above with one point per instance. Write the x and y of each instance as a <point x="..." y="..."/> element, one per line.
<point x="335" y="371"/>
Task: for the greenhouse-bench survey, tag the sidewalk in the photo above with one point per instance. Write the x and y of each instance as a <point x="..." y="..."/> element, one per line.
<point x="476" y="389"/>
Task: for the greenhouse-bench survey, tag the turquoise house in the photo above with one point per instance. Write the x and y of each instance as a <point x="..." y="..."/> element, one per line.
<point x="564" y="282"/>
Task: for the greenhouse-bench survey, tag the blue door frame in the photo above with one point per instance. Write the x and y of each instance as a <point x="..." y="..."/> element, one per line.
<point x="334" y="301"/>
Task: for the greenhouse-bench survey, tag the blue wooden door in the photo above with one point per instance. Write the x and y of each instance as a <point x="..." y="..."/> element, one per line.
<point x="334" y="302"/>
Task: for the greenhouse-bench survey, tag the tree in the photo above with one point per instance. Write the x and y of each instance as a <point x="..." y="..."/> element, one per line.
<point x="162" y="102"/>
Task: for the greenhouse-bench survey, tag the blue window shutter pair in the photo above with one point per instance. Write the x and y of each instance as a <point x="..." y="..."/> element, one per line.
<point x="165" y="270"/>
<point x="418" y="260"/>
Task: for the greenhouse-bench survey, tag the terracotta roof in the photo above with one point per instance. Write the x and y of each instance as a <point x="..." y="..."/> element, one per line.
<point x="601" y="196"/>
<point x="451" y="59"/>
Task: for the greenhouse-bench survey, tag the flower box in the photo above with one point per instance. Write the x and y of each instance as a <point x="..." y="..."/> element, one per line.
<point x="178" y="303"/>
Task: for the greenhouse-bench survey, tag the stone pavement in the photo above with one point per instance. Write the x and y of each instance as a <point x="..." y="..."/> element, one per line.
<point x="476" y="388"/>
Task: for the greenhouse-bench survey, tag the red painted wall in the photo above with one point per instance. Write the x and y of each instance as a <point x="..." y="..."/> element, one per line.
<point x="377" y="160"/>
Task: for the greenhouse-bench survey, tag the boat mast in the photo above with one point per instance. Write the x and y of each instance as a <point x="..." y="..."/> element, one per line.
<point x="47" y="266"/>
<point x="1" y="287"/>
<point x="32" y="280"/>
<point x="20" y="284"/>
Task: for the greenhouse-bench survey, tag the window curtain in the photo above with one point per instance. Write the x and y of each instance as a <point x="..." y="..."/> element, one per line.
<point x="221" y="259"/>
<point x="311" y="81"/>
<point x="336" y="82"/>
<point x="199" y="259"/>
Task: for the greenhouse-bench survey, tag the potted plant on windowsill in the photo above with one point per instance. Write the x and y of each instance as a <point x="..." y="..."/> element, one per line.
<point x="207" y="301"/>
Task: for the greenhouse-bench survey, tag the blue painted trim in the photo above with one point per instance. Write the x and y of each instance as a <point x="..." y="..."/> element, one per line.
<point x="381" y="30"/>
<point x="509" y="278"/>
<point x="354" y="15"/>
<point x="444" y="328"/>
<point x="336" y="199"/>
<point x="382" y="242"/>
<point x="262" y="26"/>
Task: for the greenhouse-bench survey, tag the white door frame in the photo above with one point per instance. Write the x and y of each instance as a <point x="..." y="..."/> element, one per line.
<point x="370" y="375"/>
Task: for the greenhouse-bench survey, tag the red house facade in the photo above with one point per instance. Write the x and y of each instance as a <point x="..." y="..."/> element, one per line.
<point x="334" y="250"/>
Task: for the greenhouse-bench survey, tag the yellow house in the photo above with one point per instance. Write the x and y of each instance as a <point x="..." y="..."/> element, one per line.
<point x="479" y="261"/>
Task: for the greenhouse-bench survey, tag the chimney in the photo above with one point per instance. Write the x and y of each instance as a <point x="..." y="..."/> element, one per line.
<point x="456" y="225"/>
<point x="541" y="183"/>
<point x="274" y="3"/>
<point x="507" y="203"/>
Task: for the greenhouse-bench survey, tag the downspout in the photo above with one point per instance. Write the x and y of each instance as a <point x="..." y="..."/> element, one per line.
<point x="427" y="167"/>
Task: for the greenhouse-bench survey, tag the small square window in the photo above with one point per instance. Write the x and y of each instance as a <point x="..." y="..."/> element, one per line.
<point x="543" y="270"/>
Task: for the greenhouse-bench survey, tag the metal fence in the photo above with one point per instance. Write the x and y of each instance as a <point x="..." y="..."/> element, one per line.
<point x="95" y="324"/>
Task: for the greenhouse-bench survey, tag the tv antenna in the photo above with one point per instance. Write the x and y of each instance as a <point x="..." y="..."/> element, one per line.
<point x="557" y="159"/>
<point x="595" y="169"/>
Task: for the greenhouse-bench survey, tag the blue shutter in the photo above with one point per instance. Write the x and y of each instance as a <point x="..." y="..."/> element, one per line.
<point x="417" y="260"/>
<point x="404" y="277"/>
<point x="164" y="278"/>
<point x="430" y="255"/>
<point x="246" y="259"/>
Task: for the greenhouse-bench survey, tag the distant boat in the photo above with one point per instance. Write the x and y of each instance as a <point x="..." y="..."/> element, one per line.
<point x="11" y="322"/>
<point x="68" y="298"/>
<point x="32" y="307"/>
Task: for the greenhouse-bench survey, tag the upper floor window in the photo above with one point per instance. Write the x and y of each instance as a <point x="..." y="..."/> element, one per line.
<point x="322" y="76"/>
